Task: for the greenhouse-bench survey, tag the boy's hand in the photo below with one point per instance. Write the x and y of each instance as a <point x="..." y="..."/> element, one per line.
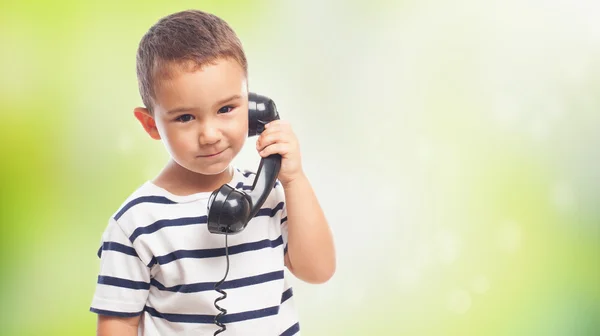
<point x="278" y="138"/>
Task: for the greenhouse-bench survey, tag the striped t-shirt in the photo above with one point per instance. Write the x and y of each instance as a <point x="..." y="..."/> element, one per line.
<point x="158" y="259"/>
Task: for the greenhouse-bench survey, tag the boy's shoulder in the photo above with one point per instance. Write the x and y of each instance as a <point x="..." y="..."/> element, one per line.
<point x="147" y="192"/>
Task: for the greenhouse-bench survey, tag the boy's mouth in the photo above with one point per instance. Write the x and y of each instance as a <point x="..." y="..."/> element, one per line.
<point x="212" y="155"/>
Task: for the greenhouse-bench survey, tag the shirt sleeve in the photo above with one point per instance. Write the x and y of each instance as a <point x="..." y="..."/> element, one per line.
<point x="123" y="280"/>
<point x="283" y="215"/>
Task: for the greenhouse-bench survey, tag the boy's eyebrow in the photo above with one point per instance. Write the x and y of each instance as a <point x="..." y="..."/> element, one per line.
<point x="220" y="102"/>
<point x="223" y="101"/>
<point x="180" y="109"/>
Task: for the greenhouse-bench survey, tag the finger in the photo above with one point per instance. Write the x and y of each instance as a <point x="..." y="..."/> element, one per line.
<point x="277" y="125"/>
<point x="278" y="148"/>
<point x="269" y="139"/>
<point x="270" y="126"/>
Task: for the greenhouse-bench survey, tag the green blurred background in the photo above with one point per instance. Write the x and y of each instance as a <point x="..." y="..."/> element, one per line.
<point x="454" y="146"/>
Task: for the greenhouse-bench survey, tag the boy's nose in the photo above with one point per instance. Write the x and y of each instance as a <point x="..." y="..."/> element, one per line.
<point x="208" y="135"/>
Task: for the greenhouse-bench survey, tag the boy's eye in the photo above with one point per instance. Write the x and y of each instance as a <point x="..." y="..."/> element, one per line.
<point x="226" y="109"/>
<point x="184" y="118"/>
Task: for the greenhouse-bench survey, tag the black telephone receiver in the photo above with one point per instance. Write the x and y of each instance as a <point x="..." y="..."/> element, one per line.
<point x="230" y="210"/>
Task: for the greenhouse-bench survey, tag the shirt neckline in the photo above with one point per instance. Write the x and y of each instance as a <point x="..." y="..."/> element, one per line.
<point x="159" y="191"/>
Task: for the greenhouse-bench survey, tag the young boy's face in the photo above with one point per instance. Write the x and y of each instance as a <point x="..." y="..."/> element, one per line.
<point x="202" y="116"/>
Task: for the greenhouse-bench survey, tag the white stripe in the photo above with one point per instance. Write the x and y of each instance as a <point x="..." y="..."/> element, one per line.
<point x="238" y="299"/>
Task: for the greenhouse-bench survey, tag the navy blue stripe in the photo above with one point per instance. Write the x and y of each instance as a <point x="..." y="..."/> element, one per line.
<point x="287" y="294"/>
<point x="283" y="220"/>
<point x="118" y="282"/>
<point x="228" y="318"/>
<point x="190" y="221"/>
<point x="248" y="173"/>
<point x="163" y="223"/>
<point x="292" y="330"/>
<point x="219" y="252"/>
<point x="144" y="199"/>
<point x="270" y="212"/>
<point x="114" y="246"/>
<point x="242" y="186"/>
<point x="152" y="262"/>
<point x="206" y="286"/>
<point x="114" y="313"/>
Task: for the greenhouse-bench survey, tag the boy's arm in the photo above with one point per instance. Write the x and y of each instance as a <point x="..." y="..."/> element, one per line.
<point x="311" y="253"/>
<point x="117" y="326"/>
<point x="310" y="250"/>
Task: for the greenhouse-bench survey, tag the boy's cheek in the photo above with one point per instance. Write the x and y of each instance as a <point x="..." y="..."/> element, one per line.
<point x="179" y="140"/>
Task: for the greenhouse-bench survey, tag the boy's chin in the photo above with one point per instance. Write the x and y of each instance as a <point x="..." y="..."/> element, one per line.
<point x="212" y="170"/>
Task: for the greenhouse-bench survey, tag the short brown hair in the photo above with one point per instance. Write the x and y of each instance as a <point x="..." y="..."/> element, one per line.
<point x="189" y="39"/>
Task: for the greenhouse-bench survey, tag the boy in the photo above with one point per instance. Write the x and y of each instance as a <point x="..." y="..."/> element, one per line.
<point x="159" y="262"/>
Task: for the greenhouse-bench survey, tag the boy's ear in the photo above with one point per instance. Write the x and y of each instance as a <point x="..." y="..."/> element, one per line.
<point x="143" y="115"/>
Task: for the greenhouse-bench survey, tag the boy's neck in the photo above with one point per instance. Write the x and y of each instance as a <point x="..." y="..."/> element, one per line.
<point x="182" y="182"/>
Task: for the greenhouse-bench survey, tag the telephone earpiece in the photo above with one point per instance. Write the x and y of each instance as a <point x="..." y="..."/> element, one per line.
<point x="230" y="210"/>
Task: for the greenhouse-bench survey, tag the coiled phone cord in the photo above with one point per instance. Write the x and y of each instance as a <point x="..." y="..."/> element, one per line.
<point x="223" y="296"/>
